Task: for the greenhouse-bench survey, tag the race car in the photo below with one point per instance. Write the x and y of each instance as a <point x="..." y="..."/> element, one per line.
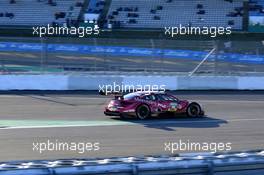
<point x="145" y="104"/>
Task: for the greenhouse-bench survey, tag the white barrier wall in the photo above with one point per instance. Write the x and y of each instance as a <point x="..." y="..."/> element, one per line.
<point x="33" y="82"/>
<point x="92" y="82"/>
<point x="207" y="82"/>
<point x="170" y="82"/>
<point x="250" y="83"/>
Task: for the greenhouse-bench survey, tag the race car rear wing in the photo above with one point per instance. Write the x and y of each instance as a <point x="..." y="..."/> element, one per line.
<point x="116" y="95"/>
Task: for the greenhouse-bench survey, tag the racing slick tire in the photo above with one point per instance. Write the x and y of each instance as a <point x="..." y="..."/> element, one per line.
<point x="143" y="112"/>
<point x="194" y="110"/>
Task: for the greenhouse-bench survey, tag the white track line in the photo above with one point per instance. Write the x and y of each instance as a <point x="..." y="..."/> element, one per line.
<point x="131" y="123"/>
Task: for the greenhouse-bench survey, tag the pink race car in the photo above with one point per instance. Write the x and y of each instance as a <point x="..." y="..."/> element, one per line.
<point x="145" y="104"/>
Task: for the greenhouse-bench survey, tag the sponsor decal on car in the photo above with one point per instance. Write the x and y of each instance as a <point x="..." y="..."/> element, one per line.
<point x="145" y="101"/>
<point x="162" y="105"/>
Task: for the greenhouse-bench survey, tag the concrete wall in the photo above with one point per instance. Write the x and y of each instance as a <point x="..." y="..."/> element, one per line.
<point x="33" y="82"/>
<point x="92" y="82"/>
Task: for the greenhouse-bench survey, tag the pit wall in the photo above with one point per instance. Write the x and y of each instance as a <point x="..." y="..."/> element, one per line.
<point x="92" y="82"/>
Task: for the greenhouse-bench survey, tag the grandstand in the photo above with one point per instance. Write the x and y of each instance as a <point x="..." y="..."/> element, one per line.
<point x="129" y="14"/>
<point x="125" y="13"/>
<point x="38" y="12"/>
<point x="256" y="7"/>
<point x="95" y="6"/>
<point x="256" y="16"/>
<point x="161" y="13"/>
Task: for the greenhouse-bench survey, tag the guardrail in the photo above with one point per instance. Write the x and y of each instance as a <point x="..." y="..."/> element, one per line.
<point x="232" y="163"/>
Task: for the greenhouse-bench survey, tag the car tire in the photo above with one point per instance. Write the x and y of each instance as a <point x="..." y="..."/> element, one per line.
<point x="194" y="110"/>
<point x="143" y="112"/>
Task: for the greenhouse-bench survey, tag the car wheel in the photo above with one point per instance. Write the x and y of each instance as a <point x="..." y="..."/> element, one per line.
<point x="143" y="112"/>
<point x="194" y="110"/>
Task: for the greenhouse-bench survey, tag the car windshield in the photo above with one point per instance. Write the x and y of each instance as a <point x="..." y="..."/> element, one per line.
<point x="166" y="97"/>
<point x="150" y="97"/>
<point x="130" y="96"/>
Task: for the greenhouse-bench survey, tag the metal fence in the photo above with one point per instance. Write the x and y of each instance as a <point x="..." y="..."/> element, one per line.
<point x="234" y="163"/>
<point x="141" y="56"/>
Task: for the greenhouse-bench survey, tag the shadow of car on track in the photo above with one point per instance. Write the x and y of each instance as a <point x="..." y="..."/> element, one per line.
<point x="169" y="123"/>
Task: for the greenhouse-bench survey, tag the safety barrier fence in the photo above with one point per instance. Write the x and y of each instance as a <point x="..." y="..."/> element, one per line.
<point x="229" y="163"/>
<point x="129" y="51"/>
<point x="25" y="55"/>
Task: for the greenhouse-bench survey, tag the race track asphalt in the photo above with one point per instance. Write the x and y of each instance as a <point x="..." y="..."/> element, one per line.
<point x="27" y="118"/>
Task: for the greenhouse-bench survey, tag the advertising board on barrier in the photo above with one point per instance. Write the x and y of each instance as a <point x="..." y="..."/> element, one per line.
<point x="131" y="51"/>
